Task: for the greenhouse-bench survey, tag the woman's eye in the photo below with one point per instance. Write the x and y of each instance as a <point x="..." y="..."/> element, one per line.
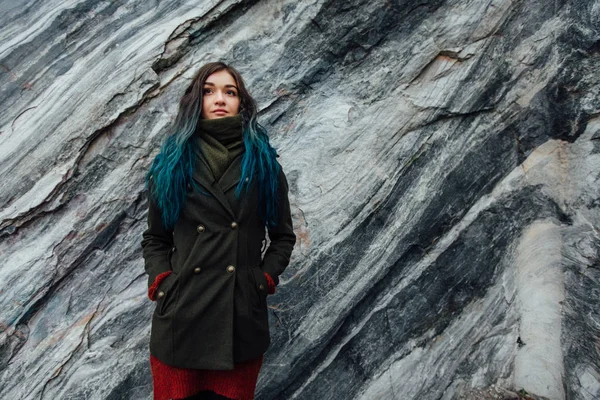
<point x="206" y="91"/>
<point x="232" y="93"/>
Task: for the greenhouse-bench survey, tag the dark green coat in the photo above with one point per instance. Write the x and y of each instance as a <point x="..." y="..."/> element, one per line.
<point x="214" y="311"/>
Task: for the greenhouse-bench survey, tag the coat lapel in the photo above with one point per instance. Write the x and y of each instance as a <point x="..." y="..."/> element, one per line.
<point x="232" y="174"/>
<point x="204" y="176"/>
<point x="229" y="182"/>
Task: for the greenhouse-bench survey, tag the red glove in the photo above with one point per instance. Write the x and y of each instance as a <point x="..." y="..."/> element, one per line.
<point x="270" y="283"/>
<point x="152" y="289"/>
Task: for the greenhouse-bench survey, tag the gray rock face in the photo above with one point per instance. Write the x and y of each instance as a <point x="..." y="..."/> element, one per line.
<point x="444" y="166"/>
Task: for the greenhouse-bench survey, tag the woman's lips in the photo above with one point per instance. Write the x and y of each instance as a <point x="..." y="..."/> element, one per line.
<point x="220" y="111"/>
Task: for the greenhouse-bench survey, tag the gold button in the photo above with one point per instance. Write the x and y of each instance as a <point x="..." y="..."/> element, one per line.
<point x="261" y="286"/>
<point x="233" y="225"/>
<point x="160" y="294"/>
<point x="201" y="228"/>
<point x="197" y="270"/>
<point x="231" y="269"/>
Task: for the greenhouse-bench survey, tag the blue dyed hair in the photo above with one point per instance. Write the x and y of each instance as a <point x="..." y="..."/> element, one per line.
<point x="172" y="169"/>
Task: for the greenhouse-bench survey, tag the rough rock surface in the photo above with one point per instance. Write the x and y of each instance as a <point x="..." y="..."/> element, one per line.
<point x="444" y="164"/>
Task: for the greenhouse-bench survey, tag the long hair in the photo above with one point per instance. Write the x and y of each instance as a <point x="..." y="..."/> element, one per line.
<point x="172" y="169"/>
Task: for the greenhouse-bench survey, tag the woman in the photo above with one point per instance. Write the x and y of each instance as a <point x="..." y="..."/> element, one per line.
<point x="214" y="189"/>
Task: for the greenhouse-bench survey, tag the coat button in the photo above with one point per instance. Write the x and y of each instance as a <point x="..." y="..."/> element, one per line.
<point x="200" y="228"/>
<point x="233" y="225"/>
<point x="160" y="294"/>
<point x="231" y="269"/>
<point x="247" y="179"/>
<point x="261" y="286"/>
<point x="197" y="270"/>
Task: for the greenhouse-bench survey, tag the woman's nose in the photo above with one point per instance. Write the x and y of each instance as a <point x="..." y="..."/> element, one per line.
<point x="219" y="98"/>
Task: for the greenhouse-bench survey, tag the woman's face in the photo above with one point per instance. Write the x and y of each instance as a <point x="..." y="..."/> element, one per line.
<point x="220" y="96"/>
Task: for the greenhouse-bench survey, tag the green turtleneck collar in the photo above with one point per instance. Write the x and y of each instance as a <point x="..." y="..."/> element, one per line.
<point x="220" y="141"/>
<point x="223" y="129"/>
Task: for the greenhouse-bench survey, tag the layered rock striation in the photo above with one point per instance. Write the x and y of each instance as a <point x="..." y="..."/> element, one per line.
<point x="443" y="160"/>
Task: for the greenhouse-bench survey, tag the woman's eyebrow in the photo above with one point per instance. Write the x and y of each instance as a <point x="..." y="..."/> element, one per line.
<point x="212" y="84"/>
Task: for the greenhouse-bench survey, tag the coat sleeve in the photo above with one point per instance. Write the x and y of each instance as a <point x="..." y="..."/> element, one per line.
<point x="157" y="243"/>
<point x="277" y="256"/>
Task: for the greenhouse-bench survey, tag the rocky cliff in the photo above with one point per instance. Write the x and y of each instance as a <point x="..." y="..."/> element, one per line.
<point x="444" y="165"/>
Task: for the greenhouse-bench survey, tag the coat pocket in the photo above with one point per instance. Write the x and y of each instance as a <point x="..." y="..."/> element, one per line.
<point x="260" y="285"/>
<point x="169" y="287"/>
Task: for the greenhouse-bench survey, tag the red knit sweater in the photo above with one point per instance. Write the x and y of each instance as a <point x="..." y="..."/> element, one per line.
<point x="178" y="383"/>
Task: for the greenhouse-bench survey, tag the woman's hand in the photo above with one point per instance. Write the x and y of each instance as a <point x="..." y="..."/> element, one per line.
<point x="270" y="284"/>
<point x="154" y="287"/>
